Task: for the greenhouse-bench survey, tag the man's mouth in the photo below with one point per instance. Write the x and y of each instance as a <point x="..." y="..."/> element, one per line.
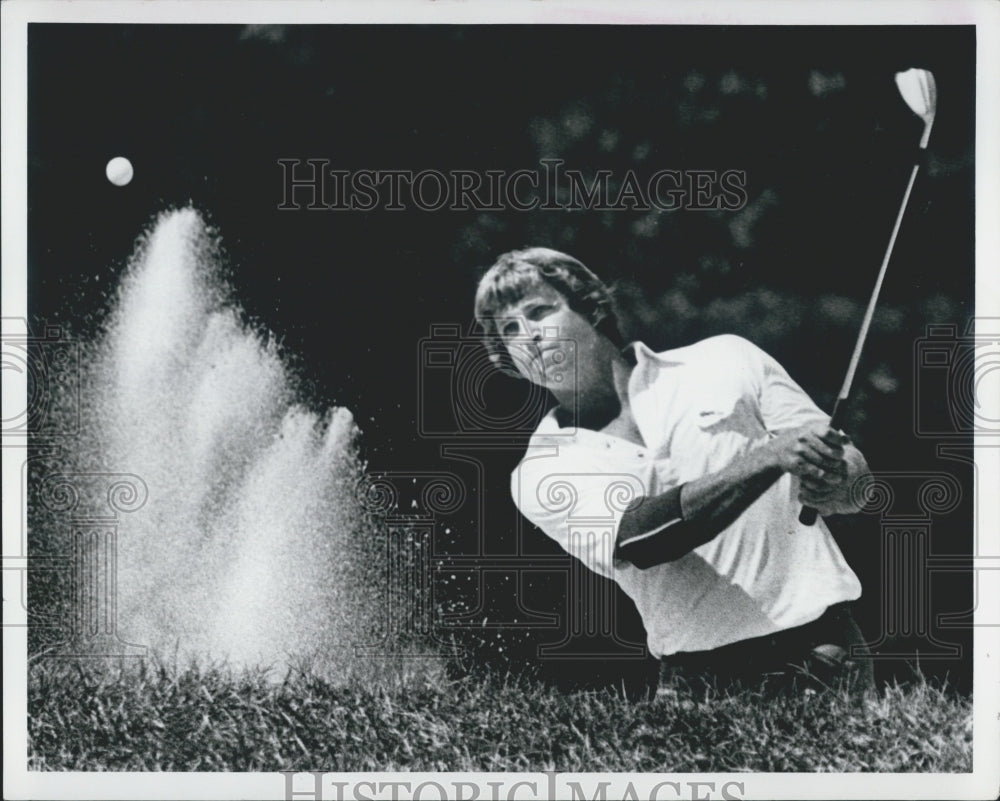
<point x="548" y="358"/>
<point x="541" y="361"/>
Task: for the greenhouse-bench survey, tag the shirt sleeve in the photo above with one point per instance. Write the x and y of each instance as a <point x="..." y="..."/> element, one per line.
<point x="581" y="509"/>
<point x="783" y="403"/>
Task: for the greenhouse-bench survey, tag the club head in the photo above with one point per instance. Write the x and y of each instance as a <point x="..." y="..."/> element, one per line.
<point x="920" y="93"/>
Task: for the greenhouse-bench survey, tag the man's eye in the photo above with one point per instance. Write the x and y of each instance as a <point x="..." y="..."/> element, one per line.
<point x="538" y="312"/>
<point x="510" y="329"/>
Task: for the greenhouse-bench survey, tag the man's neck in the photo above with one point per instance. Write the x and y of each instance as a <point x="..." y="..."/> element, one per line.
<point x="601" y="401"/>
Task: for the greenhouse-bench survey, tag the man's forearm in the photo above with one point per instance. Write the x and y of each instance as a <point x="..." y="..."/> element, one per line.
<point x="716" y="500"/>
<point x="664" y="527"/>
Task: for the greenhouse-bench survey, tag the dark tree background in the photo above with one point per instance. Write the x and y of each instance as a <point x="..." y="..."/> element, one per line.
<point x="811" y="115"/>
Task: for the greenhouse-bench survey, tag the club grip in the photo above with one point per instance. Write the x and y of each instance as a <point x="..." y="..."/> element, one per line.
<point x="808" y="515"/>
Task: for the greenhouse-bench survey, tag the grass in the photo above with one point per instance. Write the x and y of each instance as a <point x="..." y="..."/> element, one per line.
<point x="157" y="717"/>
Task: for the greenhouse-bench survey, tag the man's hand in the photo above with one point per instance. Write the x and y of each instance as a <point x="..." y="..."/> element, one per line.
<point x="811" y="452"/>
<point x="825" y="462"/>
<point x="817" y="492"/>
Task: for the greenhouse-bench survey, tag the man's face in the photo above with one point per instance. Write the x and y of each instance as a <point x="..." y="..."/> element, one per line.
<point x="546" y="339"/>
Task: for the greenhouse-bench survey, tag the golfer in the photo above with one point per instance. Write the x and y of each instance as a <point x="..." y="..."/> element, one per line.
<point x="680" y="475"/>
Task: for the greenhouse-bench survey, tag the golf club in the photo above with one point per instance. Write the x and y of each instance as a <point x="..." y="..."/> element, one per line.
<point x="920" y="93"/>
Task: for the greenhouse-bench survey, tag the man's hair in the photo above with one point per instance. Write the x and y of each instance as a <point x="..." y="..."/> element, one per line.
<point x="519" y="272"/>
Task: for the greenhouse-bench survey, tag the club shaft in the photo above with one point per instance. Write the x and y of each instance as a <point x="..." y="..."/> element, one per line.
<point x="808" y="515"/>
<point x="852" y="368"/>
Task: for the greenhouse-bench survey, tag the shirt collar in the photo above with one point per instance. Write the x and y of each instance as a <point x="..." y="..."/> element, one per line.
<point x="638" y="354"/>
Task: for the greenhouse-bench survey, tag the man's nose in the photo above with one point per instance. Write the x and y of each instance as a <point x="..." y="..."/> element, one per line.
<point x="528" y="329"/>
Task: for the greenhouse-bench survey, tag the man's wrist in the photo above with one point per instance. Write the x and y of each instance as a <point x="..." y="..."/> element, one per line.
<point x="765" y="457"/>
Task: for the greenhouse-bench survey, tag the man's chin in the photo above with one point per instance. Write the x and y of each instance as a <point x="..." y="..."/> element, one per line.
<point x="535" y="373"/>
<point x="555" y="380"/>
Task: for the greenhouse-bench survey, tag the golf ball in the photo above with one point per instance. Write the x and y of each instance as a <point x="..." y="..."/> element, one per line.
<point x="119" y="171"/>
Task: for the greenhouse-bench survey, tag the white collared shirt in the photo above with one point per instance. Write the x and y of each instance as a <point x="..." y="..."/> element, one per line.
<point x="697" y="408"/>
